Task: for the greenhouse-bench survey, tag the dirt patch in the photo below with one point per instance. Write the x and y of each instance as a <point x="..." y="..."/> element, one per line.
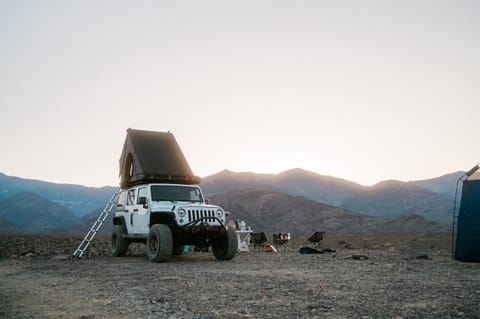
<point x="38" y="279"/>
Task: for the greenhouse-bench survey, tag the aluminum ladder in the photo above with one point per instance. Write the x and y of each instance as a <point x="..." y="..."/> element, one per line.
<point x="82" y="248"/>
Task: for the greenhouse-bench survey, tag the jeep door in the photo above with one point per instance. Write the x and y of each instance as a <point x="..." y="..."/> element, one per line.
<point x="141" y="216"/>
<point x="129" y="208"/>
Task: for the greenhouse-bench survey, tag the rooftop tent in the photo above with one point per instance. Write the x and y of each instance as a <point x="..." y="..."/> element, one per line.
<point x="153" y="157"/>
<point x="467" y="243"/>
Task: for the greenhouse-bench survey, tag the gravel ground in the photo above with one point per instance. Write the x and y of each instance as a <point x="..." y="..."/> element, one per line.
<point x="397" y="276"/>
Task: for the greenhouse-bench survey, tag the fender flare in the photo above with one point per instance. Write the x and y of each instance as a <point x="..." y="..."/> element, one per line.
<point x="120" y="220"/>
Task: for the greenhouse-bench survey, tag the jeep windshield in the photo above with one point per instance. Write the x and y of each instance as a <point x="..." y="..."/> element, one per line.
<point x="175" y="193"/>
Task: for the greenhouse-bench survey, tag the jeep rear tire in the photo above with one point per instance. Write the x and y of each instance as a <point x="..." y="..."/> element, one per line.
<point x="159" y="243"/>
<point x="119" y="245"/>
<point x="227" y="248"/>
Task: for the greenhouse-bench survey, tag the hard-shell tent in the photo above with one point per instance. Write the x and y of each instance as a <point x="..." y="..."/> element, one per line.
<point x="467" y="243"/>
<point x="153" y="157"/>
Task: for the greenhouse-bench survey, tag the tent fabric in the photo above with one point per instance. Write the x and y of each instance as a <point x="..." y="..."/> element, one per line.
<point x="153" y="157"/>
<point x="467" y="243"/>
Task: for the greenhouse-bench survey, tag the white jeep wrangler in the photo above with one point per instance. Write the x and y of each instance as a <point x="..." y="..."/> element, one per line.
<point x="167" y="217"/>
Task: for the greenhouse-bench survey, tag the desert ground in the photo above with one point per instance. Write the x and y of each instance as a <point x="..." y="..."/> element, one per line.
<point x="370" y="275"/>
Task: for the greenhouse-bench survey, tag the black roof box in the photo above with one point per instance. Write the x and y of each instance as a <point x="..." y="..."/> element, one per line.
<point x="153" y="157"/>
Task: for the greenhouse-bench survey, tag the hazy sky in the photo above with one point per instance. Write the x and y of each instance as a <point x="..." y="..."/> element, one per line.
<point x="362" y="90"/>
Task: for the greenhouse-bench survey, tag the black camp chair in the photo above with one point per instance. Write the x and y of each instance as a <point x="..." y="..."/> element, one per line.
<point x="258" y="240"/>
<point x="316" y="238"/>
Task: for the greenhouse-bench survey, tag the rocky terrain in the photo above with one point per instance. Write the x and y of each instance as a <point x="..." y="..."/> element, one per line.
<point x="370" y="275"/>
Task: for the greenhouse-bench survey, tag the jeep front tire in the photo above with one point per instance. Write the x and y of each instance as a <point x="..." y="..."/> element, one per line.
<point x="119" y="245"/>
<point x="226" y="248"/>
<point x="159" y="243"/>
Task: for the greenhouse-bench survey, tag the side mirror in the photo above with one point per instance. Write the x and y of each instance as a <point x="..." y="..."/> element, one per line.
<point x="143" y="201"/>
<point x="207" y="201"/>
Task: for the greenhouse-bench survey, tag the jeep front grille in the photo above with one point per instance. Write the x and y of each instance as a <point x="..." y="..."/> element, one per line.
<point x="204" y="214"/>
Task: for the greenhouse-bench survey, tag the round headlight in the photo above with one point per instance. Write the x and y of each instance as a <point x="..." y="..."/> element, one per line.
<point x="181" y="212"/>
<point x="219" y="213"/>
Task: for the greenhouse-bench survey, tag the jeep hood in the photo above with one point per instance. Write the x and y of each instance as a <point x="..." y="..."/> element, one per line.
<point x="169" y="206"/>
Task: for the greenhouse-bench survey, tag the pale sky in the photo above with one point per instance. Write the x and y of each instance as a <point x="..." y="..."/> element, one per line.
<point x="362" y="90"/>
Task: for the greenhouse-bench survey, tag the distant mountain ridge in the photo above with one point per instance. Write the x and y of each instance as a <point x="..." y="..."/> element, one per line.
<point x="445" y="184"/>
<point x="28" y="212"/>
<point x="79" y="199"/>
<point x="267" y="200"/>
<point x="278" y="212"/>
<point x="394" y="198"/>
<point x="326" y="189"/>
<point x="272" y="211"/>
<point x="388" y="198"/>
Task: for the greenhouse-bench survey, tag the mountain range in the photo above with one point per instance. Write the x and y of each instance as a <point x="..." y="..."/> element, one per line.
<point x="79" y="199"/>
<point x="296" y="200"/>
<point x="28" y="212"/>
<point x="278" y="212"/>
<point x="432" y="199"/>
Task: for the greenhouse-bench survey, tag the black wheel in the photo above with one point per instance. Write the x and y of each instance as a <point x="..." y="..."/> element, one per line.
<point x="119" y="245"/>
<point x="159" y="243"/>
<point x="227" y="248"/>
<point x="177" y="250"/>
